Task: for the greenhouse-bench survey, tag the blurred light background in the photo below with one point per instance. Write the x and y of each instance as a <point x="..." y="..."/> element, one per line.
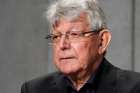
<point x="24" y="53"/>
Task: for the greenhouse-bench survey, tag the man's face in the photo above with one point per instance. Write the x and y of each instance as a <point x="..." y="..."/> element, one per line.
<point x="73" y="56"/>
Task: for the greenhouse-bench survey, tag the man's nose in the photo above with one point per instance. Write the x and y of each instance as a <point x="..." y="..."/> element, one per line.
<point x="64" y="42"/>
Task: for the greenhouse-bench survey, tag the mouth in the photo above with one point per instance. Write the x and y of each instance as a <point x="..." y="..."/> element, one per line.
<point x="66" y="58"/>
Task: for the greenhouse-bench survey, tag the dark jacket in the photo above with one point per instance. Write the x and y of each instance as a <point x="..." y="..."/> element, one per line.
<point x="109" y="79"/>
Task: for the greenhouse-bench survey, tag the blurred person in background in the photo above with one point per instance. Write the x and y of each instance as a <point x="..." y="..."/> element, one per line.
<point x="80" y="37"/>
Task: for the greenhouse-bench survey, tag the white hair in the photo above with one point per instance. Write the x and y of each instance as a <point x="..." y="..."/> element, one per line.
<point x="72" y="9"/>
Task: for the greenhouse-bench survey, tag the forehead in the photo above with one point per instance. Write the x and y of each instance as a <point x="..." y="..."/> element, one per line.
<point x="79" y="22"/>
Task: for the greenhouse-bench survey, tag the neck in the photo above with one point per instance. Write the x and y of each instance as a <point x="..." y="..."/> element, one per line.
<point x="80" y="78"/>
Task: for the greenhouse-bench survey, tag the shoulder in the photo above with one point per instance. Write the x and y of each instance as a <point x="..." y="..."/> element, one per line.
<point x="48" y="78"/>
<point x="128" y="80"/>
<point x="128" y="76"/>
<point x="41" y="83"/>
<point x="125" y="76"/>
<point x="123" y="81"/>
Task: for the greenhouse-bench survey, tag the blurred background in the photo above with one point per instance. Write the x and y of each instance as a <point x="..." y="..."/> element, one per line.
<point x="24" y="53"/>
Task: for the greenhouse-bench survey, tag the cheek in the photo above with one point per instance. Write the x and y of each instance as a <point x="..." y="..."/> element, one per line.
<point x="82" y="52"/>
<point x="85" y="51"/>
<point x="80" y="49"/>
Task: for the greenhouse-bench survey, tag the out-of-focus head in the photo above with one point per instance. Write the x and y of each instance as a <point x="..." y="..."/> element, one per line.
<point x="71" y="9"/>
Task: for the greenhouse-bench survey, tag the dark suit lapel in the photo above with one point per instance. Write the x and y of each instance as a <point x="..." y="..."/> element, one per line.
<point x="106" y="78"/>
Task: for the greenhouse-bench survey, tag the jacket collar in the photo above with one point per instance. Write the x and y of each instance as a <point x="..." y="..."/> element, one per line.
<point x="106" y="78"/>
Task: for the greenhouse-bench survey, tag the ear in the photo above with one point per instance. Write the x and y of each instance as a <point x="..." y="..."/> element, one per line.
<point x="105" y="37"/>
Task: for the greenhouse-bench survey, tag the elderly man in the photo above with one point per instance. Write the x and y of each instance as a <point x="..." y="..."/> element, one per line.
<point x="80" y="37"/>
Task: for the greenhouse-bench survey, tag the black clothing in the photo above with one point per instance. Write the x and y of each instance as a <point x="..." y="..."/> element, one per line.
<point x="87" y="88"/>
<point x="108" y="79"/>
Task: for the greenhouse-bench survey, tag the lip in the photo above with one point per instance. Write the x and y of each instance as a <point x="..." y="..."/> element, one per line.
<point x="65" y="58"/>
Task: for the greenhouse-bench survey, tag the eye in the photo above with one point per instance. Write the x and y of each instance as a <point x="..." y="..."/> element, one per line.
<point x="55" y="37"/>
<point x="75" y="34"/>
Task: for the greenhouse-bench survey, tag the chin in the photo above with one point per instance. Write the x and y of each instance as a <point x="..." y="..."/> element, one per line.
<point x="68" y="67"/>
<point x="68" y="71"/>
